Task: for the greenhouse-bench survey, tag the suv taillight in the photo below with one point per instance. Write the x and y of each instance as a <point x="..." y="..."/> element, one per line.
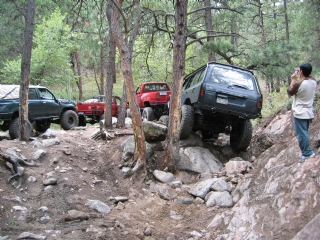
<point x="202" y="92"/>
<point x="259" y="105"/>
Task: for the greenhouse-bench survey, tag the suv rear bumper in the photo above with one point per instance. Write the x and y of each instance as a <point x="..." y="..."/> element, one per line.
<point x="214" y="109"/>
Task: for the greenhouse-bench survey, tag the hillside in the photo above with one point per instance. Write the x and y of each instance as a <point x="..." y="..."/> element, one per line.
<point x="79" y="191"/>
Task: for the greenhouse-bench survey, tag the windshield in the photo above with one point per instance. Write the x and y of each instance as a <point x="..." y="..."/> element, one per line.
<point x="231" y="77"/>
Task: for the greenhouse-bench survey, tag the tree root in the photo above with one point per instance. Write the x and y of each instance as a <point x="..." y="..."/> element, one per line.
<point x="15" y="161"/>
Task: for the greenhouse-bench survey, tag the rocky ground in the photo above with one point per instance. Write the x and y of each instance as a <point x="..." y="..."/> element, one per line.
<point x="79" y="191"/>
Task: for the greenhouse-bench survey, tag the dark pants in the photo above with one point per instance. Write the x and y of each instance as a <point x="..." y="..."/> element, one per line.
<point x="302" y="127"/>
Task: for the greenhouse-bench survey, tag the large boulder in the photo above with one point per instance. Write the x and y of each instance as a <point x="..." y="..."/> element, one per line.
<point x="128" y="146"/>
<point x="198" y="160"/>
<point x="154" y="132"/>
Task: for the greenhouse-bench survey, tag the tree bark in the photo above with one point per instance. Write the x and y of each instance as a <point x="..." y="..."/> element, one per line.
<point x="179" y="53"/>
<point x="24" y="129"/>
<point x="209" y="27"/>
<point x="125" y="48"/>
<point x="123" y="108"/>
<point x="111" y="71"/>
<point x="79" y="82"/>
<point x="101" y="69"/>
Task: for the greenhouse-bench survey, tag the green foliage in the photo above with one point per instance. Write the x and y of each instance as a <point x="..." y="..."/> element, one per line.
<point x="50" y="61"/>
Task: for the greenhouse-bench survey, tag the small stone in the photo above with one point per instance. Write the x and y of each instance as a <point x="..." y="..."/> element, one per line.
<point x="147" y="232"/>
<point x="50" y="181"/>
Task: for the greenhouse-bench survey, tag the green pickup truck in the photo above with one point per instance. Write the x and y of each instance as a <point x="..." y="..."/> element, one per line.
<point x="43" y="109"/>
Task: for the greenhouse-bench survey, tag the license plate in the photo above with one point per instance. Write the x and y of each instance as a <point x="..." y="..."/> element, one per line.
<point x="222" y="100"/>
<point x="163" y="93"/>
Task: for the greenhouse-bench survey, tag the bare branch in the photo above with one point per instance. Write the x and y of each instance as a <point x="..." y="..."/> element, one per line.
<point x="216" y="8"/>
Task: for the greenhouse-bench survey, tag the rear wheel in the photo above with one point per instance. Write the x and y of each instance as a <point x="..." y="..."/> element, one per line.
<point x="241" y="135"/>
<point x="42" y="125"/>
<point x="69" y="119"/>
<point x="187" y="118"/>
<point x="14" y="128"/>
<point x="148" y="114"/>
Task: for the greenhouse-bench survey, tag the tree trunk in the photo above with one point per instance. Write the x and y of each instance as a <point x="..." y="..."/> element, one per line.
<point x="79" y="82"/>
<point x="179" y="51"/>
<point x="125" y="49"/>
<point x="101" y="70"/>
<point x="24" y="129"/>
<point x="261" y="24"/>
<point x="209" y="27"/>
<point x="123" y="108"/>
<point x="111" y="72"/>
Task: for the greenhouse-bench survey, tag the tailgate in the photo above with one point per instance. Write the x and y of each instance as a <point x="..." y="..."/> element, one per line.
<point x="242" y="103"/>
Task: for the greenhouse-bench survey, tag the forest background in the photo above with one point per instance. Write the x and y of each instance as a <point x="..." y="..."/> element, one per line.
<point x="71" y="41"/>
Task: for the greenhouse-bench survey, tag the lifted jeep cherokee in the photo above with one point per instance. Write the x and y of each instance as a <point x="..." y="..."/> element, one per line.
<point x="220" y="98"/>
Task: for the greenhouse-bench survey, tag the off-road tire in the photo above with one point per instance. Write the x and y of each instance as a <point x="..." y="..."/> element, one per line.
<point x="14" y="130"/>
<point x="42" y="125"/>
<point x="241" y="135"/>
<point x="187" y="118"/>
<point x="69" y="119"/>
<point x="148" y="114"/>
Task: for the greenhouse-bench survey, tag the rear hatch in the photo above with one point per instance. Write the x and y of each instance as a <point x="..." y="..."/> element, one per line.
<point x="231" y="90"/>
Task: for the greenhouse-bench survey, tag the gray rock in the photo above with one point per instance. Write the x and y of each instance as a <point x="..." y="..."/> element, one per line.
<point x="185" y="200"/>
<point x="31" y="179"/>
<point x="128" y="146"/>
<point x="199" y="160"/>
<point x="164" y="177"/>
<point x="39" y="154"/>
<point x="201" y="189"/>
<point x="126" y="171"/>
<point x="311" y="231"/>
<point x="28" y="235"/>
<point x="221" y="199"/>
<point x="154" y="132"/>
<point x="45" y="219"/>
<point x="121" y="199"/>
<point x="176" y="184"/>
<point x="73" y="215"/>
<point x="221" y="185"/>
<point x="167" y="193"/>
<point x="193" y="140"/>
<point x="50" y="142"/>
<point x="50" y="181"/>
<point x="237" y="167"/>
<point x="164" y="119"/>
<point x="13" y="199"/>
<point x="98" y="206"/>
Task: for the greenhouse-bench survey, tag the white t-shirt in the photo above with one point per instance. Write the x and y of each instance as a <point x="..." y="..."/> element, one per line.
<point x="302" y="105"/>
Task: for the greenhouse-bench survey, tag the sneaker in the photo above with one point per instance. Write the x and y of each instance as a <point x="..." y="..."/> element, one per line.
<point x="304" y="158"/>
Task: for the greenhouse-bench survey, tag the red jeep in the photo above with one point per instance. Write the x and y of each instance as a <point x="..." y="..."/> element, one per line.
<point x="153" y="98"/>
<point x="92" y="110"/>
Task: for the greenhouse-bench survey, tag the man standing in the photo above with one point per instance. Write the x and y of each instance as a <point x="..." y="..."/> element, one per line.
<point x="303" y="93"/>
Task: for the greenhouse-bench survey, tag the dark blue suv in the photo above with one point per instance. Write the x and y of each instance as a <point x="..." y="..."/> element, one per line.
<point x="220" y="98"/>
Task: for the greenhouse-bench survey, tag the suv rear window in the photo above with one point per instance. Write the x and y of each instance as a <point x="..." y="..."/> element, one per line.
<point x="231" y="78"/>
<point x="155" y="87"/>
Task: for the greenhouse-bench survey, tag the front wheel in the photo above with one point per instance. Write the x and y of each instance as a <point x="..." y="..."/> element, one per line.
<point x="187" y="118"/>
<point x="148" y="114"/>
<point x="14" y="130"/>
<point x="240" y="136"/>
<point x="69" y="119"/>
